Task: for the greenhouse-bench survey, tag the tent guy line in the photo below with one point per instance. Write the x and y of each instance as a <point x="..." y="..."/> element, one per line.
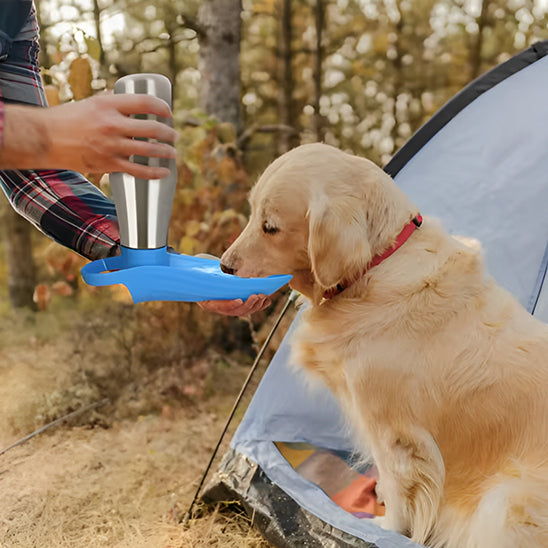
<point x="290" y="300"/>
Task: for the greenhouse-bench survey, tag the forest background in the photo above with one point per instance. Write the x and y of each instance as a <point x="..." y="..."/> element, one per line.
<point x="251" y="79"/>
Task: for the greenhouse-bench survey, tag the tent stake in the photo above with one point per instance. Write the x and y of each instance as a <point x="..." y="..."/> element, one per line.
<point x="291" y="299"/>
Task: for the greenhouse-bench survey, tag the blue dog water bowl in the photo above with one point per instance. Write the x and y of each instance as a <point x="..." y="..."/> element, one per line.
<point x="159" y="275"/>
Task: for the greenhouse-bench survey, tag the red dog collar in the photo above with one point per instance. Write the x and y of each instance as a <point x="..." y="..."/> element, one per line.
<point x="403" y="236"/>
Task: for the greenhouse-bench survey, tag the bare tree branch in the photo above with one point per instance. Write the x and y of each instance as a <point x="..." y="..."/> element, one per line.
<point x="192" y="24"/>
<point x="246" y="136"/>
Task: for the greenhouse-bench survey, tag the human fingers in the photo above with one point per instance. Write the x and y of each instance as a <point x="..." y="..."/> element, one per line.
<point x="226" y="307"/>
<point x="138" y="103"/>
<point x="140" y="171"/>
<point x="149" y="129"/>
<point x="236" y="307"/>
<point x="255" y="303"/>
<point x="129" y="147"/>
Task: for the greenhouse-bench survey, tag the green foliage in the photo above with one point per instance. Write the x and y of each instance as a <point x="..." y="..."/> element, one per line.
<point x="385" y="68"/>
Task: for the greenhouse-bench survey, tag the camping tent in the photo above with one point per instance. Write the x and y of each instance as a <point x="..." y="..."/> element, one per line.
<point x="481" y="166"/>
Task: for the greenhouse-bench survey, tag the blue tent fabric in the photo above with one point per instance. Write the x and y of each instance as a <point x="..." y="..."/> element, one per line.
<point x="481" y="166"/>
<point x="484" y="172"/>
<point x="299" y="413"/>
<point x="471" y="92"/>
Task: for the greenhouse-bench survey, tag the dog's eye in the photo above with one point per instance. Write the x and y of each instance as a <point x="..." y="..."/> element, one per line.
<point x="269" y="229"/>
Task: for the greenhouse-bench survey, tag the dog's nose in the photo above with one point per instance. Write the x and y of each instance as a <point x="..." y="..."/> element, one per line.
<point x="227" y="269"/>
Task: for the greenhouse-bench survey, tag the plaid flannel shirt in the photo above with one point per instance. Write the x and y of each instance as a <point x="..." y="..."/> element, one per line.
<point x="62" y="204"/>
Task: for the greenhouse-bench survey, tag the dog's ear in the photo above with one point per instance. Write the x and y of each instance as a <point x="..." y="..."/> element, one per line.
<point x="338" y="244"/>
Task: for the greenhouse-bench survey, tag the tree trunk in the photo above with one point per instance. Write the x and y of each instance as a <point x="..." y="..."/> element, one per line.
<point x="318" y="69"/>
<point x="286" y="108"/>
<point x="43" y="57"/>
<point x="171" y="26"/>
<point x="16" y="235"/>
<point x="219" y="59"/>
<point x="98" y="32"/>
<point x="477" y="45"/>
<point x="398" y="81"/>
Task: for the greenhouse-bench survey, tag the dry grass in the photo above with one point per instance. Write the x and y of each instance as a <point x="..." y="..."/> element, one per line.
<point x="126" y="486"/>
<point x="121" y="476"/>
<point x="220" y="528"/>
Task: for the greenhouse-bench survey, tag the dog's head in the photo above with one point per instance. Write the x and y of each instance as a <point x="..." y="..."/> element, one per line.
<point x="321" y="215"/>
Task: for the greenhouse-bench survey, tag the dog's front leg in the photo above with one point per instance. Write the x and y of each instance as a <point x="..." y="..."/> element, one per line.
<point x="411" y="478"/>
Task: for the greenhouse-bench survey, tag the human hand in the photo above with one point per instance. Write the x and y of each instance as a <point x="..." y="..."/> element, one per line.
<point x="93" y="135"/>
<point x="237" y="307"/>
<point x="234" y="307"/>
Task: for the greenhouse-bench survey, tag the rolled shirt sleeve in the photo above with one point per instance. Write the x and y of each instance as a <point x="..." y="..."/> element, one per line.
<point x="64" y="205"/>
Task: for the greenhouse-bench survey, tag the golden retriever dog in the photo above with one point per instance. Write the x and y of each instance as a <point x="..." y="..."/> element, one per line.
<point x="442" y="375"/>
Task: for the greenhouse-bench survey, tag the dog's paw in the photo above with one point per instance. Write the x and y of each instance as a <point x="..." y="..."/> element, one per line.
<point x="388" y="524"/>
<point x="378" y="493"/>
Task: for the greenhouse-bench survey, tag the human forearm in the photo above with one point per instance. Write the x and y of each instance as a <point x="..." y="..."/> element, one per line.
<point x="24" y="138"/>
<point x="93" y="135"/>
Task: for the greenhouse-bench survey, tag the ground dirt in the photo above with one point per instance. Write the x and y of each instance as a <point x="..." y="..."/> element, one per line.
<point x="122" y="475"/>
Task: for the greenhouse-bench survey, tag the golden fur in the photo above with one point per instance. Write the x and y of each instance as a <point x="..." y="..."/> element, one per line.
<point x="442" y="375"/>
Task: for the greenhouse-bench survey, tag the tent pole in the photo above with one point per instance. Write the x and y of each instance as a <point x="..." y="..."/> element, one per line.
<point x="291" y="299"/>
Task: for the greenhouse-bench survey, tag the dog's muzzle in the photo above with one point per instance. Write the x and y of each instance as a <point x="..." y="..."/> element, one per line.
<point x="226" y="269"/>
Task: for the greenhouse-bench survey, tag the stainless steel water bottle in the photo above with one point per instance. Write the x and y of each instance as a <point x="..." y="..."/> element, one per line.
<point x="144" y="206"/>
